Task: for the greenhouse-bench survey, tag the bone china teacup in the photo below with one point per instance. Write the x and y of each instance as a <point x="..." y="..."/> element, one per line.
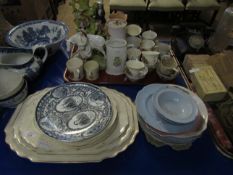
<point x="135" y="68"/>
<point x="133" y="54"/>
<point x="150" y="58"/>
<point x="75" y="68"/>
<point x="168" y="65"/>
<point x="147" y="45"/>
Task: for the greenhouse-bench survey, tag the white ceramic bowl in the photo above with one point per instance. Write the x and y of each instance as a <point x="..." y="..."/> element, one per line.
<point x="47" y="33"/>
<point x="133" y="30"/>
<point x="10" y="83"/>
<point x="13" y="100"/>
<point x="175" y="106"/>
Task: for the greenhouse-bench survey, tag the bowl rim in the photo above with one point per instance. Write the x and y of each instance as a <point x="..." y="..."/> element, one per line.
<point x="16" y="93"/>
<point x="17" y="85"/>
<point x="14" y="29"/>
<point x="169" y="117"/>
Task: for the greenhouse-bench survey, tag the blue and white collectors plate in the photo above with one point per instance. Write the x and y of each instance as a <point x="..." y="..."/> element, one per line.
<point x="74" y="112"/>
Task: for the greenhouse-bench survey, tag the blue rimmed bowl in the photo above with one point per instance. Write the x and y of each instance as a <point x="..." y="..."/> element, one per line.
<point x="48" y="33"/>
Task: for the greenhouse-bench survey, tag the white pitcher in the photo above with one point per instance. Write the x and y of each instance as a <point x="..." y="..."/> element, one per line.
<point x="116" y="56"/>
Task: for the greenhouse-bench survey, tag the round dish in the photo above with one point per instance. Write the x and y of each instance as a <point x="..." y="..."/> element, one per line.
<point x="74" y="112"/>
<point x="175" y="106"/>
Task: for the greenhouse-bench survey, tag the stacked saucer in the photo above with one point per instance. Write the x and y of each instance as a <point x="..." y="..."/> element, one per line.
<point x="171" y="115"/>
<point x="72" y="123"/>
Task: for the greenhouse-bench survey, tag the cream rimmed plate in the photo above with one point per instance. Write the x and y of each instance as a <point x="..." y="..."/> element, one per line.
<point x="63" y="158"/>
<point x="131" y="139"/>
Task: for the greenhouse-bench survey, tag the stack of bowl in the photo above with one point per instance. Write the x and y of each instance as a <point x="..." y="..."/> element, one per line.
<point x="171" y="115"/>
<point x="13" y="88"/>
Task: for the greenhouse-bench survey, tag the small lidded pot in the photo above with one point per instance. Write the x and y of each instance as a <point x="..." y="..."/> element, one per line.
<point x="117" y="29"/>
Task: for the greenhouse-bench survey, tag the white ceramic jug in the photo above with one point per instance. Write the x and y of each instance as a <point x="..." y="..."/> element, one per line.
<point x="116" y="52"/>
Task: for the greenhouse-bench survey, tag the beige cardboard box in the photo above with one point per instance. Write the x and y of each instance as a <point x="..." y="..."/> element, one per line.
<point x="223" y="66"/>
<point x="208" y="85"/>
<point x="194" y="61"/>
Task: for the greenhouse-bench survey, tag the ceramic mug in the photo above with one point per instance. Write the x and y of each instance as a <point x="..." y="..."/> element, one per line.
<point x="133" y="54"/>
<point x="150" y="58"/>
<point x="116" y="52"/>
<point x="91" y="69"/>
<point x="147" y="45"/>
<point x="168" y="65"/>
<point x="135" y="68"/>
<point x="75" y="68"/>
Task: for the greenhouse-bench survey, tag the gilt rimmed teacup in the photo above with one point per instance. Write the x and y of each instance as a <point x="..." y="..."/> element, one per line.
<point x="133" y="54"/>
<point x="147" y="45"/>
<point x="150" y="58"/>
<point x="168" y="65"/>
<point x="135" y="68"/>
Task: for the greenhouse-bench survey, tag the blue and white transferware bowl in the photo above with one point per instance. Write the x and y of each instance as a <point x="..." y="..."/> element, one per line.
<point x="25" y="62"/>
<point x="47" y="33"/>
<point x="74" y="112"/>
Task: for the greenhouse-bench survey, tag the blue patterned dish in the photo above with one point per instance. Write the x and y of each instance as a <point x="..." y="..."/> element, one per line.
<point x="47" y="33"/>
<point x="74" y="112"/>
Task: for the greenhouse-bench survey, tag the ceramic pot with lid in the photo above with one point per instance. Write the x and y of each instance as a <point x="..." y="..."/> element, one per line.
<point x="117" y="29"/>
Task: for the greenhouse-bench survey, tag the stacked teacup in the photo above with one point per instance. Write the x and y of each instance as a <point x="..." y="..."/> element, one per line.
<point x="171" y="115"/>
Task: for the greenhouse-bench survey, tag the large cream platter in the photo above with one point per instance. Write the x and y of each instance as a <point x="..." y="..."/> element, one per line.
<point x="27" y="140"/>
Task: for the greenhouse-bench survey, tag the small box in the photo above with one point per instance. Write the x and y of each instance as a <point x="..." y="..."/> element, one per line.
<point x="208" y="85"/>
<point x="194" y="61"/>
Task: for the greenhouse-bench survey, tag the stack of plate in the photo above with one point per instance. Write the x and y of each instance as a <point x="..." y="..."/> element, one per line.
<point x="171" y="115"/>
<point x="72" y="123"/>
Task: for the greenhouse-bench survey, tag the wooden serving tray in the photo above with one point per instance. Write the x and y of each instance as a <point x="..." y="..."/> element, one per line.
<point x="105" y="78"/>
<point x="151" y="77"/>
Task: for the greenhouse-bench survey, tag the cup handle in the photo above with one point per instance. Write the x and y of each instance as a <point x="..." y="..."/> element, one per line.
<point x="141" y="72"/>
<point x="175" y="70"/>
<point x="130" y="45"/>
<point x="77" y="74"/>
<point x="37" y="52"/>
